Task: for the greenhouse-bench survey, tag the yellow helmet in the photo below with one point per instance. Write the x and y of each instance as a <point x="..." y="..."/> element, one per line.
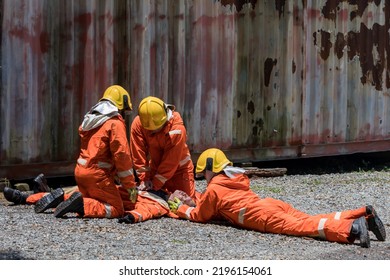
<point x="118" y="96"/>
<point x="152" y="112"/>
<point x="213" y="160"/>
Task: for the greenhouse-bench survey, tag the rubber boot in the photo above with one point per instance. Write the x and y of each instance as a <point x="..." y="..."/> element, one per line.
<point x="74" y="204"/>
<point x="375" y="224"/>
<point x="51" y="200"/>
<point x="359" y="231"/>
<point x="41" y="184"/>
<point x="15" y="196"/>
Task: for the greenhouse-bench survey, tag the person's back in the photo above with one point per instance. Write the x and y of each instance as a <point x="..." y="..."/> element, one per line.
<point x="104" y="157"/>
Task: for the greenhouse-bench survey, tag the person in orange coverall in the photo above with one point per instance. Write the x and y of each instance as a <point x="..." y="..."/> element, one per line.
<point x="152" y="205"/>
<point x="229" y="197"/>
<point x="160" y="154"/>
<point x="149" y="204"/>
<point x="104" y="170"/>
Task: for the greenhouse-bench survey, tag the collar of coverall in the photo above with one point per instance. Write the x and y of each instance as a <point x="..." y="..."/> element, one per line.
<point x="232" y="171"/>
<point x="99" y="114"/>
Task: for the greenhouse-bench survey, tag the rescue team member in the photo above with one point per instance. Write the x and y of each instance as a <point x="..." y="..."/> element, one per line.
<point x="149" y="205"/>
<point x="229" y="197"/>
<point x="104" y="158"/>
<point x="159" y="150"/>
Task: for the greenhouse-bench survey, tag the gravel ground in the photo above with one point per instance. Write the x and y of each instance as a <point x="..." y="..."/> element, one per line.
<point x="29" y="236"/>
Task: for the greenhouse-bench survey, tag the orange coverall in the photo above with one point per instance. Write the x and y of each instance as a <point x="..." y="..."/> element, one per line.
<point x="163" y="157"/>
<point x="149" y="206"/>
<point x="231" y="199"/>
<point x="105" y="153"/>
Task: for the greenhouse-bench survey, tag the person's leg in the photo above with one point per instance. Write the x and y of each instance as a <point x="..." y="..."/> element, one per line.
<point x="99" y="196"/>
<point x="147" y="207"/>
<point x="324" y="226"/>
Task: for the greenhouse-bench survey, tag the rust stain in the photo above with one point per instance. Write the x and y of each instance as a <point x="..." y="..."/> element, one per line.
<point x="259" y="127"/>
<point x="279" y="5"/>
<point x="365" y="43"/>
<point x="293" y="66"/>
<point x="251" y="107"/>
<point x="268" y="66"/>
<point x="340" y="45"/>
<point x="326" y="44"/>
<point x="40" y="44"/>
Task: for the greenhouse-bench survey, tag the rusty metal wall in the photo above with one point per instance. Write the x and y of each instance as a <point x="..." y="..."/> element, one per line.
<point x="262" y="80"/>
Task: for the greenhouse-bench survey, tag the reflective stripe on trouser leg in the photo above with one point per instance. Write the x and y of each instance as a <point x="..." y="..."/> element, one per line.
<point x="337" y="215"/>
<point x="107" y="207"/>
<point x="138" y="214"/>
<point x="241" y="215"/>
<point x="321" y="227"/>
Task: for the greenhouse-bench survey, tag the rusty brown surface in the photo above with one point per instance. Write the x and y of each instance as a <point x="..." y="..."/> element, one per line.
<point x="261" y="80"/>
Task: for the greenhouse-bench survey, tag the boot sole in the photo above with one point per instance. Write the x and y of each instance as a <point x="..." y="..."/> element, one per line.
<point x="68" y="205"/>
<point x="52" y="200"/>
<point x="376" y="226"/>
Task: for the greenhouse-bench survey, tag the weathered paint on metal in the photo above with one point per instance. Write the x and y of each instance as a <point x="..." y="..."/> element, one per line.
<point x="262" y="80"/>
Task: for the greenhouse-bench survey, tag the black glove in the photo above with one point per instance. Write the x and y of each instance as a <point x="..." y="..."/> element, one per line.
<point x="129" y="219"/>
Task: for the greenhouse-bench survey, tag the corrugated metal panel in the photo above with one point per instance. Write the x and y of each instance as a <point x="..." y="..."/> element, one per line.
<point x="346" y="91"/>
<point x="261" y="80"/>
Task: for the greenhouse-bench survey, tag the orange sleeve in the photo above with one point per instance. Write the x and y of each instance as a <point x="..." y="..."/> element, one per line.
<point x="205" y="210"/>
<point x="139" y="150"/>
<point x="120" y="152"/>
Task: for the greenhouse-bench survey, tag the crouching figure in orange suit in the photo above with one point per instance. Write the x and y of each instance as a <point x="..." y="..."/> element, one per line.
<point x="229" y="197"/>
<point x="104" y="169"/>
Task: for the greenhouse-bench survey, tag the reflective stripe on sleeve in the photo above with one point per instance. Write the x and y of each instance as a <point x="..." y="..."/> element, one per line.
<point x="337" y="216"/>
<point x="188" y="212"/>
<point x="184" y="161"/>
<point x="106" y="165"/>
<point x="82" y="161"/>
<point x="125" y="173"/>
<point x="321" y="226"/>
<point x="241" y="215"/>
<point x="143" y="169"/>
<point x="176" y="131"/>
<point x="162" y="179"/>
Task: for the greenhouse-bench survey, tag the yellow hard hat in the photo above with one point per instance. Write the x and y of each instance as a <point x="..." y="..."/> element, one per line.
<point x="152" y="112"/>
<point x="118" y="96"/>
<point x="213" y="160"/>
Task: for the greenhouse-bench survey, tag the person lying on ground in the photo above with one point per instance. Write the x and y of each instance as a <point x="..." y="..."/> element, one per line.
<point x="149" y="204"/>
<point x="229" y="197"/>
